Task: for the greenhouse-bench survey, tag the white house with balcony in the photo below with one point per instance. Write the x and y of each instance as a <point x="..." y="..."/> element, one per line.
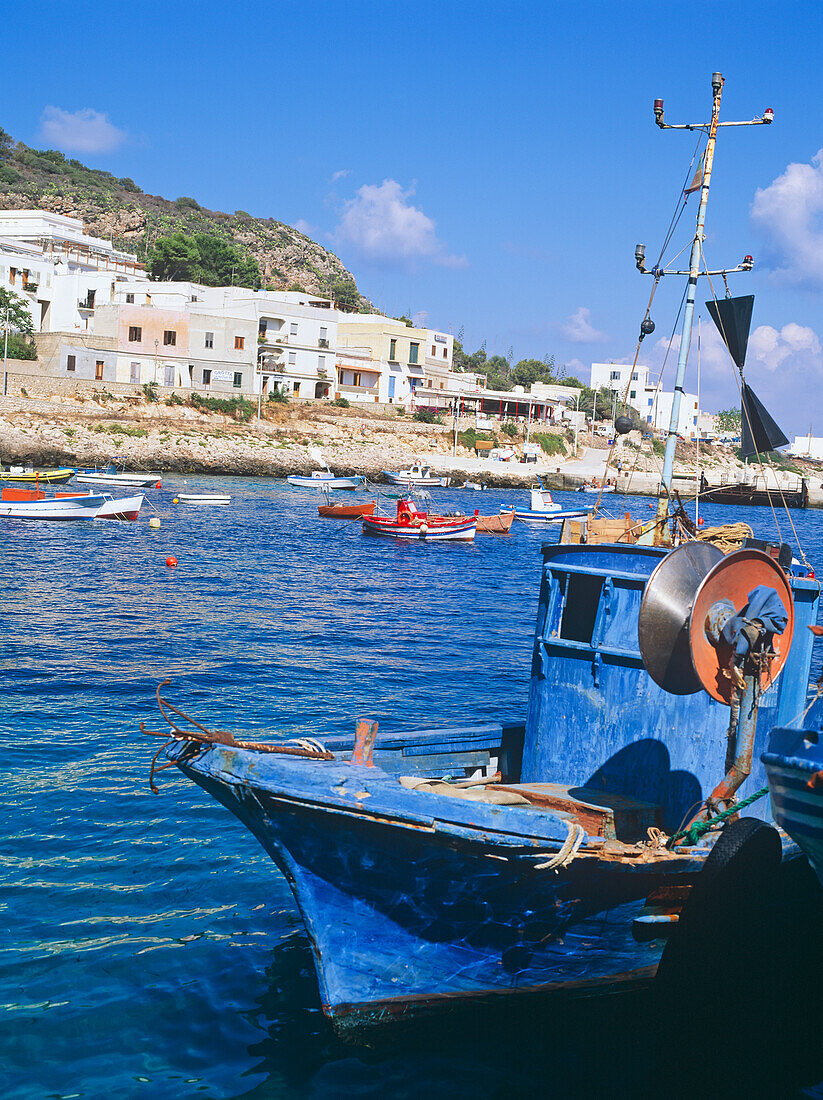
<point x="60" y="271"/>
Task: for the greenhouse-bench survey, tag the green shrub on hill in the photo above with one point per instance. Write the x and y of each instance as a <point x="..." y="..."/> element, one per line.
<point x="237" y="407"/>
<point x="550" y="442"/>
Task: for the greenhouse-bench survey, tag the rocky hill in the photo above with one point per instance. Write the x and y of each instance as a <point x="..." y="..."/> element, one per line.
<point x="119" y="210"/>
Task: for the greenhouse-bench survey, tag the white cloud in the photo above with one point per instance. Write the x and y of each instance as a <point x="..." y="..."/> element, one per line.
<point x="384" y="227"/>
<point x="83" y="131"/>
<point x="578" y="328"/>
<point x="302" y="226"/>
<point x="788" y="213"/>
<point x="420" y="318"/>
<point x="340" y="174"/>
<point x="772" y="347"/>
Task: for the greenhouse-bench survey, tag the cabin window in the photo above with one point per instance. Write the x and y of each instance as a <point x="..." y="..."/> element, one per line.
<point x="581" y="599"/>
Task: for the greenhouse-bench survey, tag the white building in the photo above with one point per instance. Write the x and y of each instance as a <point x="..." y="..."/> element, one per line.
<point x="60" y="271"/>
<point x="653" y="403"/>
<point x="182" y="334"/>
<point x="807" y="446"/>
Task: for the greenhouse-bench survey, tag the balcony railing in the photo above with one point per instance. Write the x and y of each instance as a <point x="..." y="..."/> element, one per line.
<point x="86" y="303"/>
<point x="322" y="343"/>
<point x="30" y="286"/>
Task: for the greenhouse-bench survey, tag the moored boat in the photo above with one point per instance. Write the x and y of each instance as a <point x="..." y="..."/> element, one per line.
<point x="557" y="855"/>
<point x="496" y="525"/>
<point x="37" y="475"/>
<point x="347" y="511"/>
<point x="543" y="509"/>
<point x="593" y="487"/>
<point x="115" y="474"/>
<point x="794" y="766"/>
<point x="35" y="504"/>
<point x="324" y="479"/>
<point x="122" y="508"/>
<point x="410" y="523"/>
<point x="416" y="475"/>
<point x="220" y="499"/>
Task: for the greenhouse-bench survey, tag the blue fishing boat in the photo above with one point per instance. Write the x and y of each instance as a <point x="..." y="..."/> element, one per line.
<point x="439" y="867"/>
<point x="794" y="766"/>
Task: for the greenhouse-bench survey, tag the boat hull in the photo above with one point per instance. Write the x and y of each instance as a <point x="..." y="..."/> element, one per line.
<point x="407" y="914"/>
<point x="346" y="511"/>
<point x="460" y="530"/>
<point x="496" y="525"/>
<point x="124" y="508"/>
<point x="132" y="481"/>
<point x="547" y="517"/>
<point x="301" y="482"/>
<point x="38" y="477"/>
<point x="746" y="495"/>
<point x="61" y="508"/>
<point x="792" y="759"/>
<point x="417" y="482"/>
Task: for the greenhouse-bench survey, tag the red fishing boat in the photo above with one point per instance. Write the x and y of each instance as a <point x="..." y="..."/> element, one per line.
<point x="423" y="526"/>
<point x="346" y="511"/>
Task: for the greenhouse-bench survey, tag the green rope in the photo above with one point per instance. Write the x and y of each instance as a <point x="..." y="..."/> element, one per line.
<point x="698" y="829"/>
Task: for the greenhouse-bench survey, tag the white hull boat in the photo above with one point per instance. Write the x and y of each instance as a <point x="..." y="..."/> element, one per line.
<point x="34" y="504"/>
<point x="323" y="479"/>
<point x="124" y="508"/>
<point x="116" y="475"/>
<point x="416" y="475"/>
<point x="204" y="498"/>
<point x="544" y="510"/>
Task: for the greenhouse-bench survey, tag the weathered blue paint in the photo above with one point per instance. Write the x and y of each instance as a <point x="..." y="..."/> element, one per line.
<point x="792" y="759"/>
<point x="595" y="715"/>
<point x="412" y="899"/>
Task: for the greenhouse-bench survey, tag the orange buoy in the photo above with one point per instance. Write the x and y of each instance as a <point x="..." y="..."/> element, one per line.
<point x="171" y="562"/>
<point x="159" y="485"/>
<point x="700" y="522"/>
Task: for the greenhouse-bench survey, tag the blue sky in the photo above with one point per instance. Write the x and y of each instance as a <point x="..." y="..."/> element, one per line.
<point x="489" y="165"/>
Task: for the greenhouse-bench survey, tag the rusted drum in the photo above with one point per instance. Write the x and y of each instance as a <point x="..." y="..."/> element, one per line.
<point x="731" y="581"/>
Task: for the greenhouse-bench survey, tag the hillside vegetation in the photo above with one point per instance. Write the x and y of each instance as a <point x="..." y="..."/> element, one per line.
<point x="120" y="211"/>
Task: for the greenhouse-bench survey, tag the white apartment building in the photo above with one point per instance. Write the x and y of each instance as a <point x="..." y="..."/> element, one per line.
<point x="653" y="404"/>
<point x="60" y="271"/>
<point x="222" y="339"/>
<point x="383" y="360"/>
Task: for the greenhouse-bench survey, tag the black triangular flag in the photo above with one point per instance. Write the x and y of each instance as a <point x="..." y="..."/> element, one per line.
<point x="733" y="317"/>
<point x="759" y="433"/>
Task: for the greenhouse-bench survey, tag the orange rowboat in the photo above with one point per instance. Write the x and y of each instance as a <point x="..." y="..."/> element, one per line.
<point x="496" y="525"/>
<point x="346" y="511"/>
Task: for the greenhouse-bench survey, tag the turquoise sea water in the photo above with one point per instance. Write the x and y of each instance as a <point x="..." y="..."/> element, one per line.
<point x="149" y="947"/>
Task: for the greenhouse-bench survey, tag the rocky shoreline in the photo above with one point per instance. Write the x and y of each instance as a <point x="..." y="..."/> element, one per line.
<point x="180" y="440"/>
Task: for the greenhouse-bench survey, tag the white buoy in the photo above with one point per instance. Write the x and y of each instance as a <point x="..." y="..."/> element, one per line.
<point x="154" y="522"/>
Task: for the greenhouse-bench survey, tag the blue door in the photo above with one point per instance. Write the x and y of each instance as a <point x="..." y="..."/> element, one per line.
<point x="391" y="387"/>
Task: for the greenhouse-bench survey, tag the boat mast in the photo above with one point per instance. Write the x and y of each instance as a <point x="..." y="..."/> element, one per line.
<point x="694" y="266"/>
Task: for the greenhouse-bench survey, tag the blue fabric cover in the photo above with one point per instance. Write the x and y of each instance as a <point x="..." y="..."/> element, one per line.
<point x="764" y="605"/>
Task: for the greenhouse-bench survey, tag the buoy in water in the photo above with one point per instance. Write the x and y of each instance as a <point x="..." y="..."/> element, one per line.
<point x="159" y="485"/>
<point x="171" y="562"/>
<point x="154" y="522"/>
<point x="424" y="527"/>
<point x="175" y="501"/>
<point x="700" y="522"/>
